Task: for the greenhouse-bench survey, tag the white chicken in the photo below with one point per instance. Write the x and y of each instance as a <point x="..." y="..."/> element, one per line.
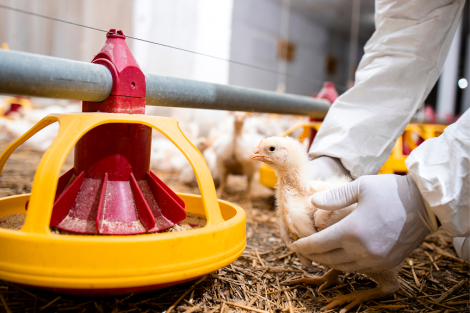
<point x="233" y="150"/>
<point x="301" y="219"/>
<point x="186" y="174"/>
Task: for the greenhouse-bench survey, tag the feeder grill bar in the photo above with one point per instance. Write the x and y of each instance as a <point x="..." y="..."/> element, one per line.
<point x="43" y="76"/>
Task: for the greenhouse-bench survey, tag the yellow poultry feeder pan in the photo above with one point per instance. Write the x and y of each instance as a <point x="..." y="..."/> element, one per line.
<point x="396" y="162"/>
<point x="414" y="134"/>
<point x="35" y="256"/>
<point x="412" y="137"/>
<point x="111" y="206"/>
<point x="432" y="130"/>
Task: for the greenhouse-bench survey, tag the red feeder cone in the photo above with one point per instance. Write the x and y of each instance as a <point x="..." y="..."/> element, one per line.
<point x="329" y="93"/>
<point x="110" y="190"/>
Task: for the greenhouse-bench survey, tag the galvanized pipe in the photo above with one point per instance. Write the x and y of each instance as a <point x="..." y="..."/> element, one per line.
<point x="37" y="75"/>
<point x="42" y="76"/>
<point x="185" y="93"/>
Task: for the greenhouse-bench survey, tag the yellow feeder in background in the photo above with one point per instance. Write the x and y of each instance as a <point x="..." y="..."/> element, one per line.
<point x="412" y="137"/>
<point x="14" y="104"/>
<point x="267" y="175"/>
<point x="414" y="134"/>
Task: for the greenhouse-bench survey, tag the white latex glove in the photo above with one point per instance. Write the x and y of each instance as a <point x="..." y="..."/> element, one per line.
<point x="324" y="167"/>
<point x="390" y="221"/>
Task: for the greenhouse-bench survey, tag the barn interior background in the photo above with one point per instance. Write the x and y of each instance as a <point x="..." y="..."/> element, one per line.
<point x="313" y="41"/>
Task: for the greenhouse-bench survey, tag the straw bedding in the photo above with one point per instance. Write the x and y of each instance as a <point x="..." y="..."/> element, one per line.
<point x="433" y="279"/>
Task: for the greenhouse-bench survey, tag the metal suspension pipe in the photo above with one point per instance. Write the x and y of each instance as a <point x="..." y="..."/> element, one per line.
<point x="37" y="75"/>
<point x="186" y="93"/>
<point x="42" y="76"/>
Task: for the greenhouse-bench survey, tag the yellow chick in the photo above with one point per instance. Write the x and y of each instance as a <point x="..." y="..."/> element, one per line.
<point x="296" y="184"/>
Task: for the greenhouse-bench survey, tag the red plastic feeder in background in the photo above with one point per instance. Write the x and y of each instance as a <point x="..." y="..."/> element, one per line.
<point x="110" y="190"/>
<point x="329" y="93"/>
<point x="14" y="107"/>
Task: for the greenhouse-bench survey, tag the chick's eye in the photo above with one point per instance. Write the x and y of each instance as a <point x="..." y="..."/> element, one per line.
<point x="271" y="149"/>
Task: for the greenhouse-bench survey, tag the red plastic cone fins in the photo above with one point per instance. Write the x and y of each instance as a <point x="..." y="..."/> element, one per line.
<point x="329" y="93"/>
<point x="101" y="206"/>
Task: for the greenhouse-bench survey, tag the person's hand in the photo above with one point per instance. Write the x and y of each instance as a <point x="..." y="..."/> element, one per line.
<point x="325" y="167"/>
<point x="288" y="241"/>
<point x="389" y="222"/>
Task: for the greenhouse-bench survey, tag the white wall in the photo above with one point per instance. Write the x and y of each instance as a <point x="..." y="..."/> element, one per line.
<point x="447" y="84"/>
<point x="203" y="26"/>
<point x="256" y="27"/>
<point x="338" y="47"/>
<point x="311" y="47"/>
<point x="34" y="34"/>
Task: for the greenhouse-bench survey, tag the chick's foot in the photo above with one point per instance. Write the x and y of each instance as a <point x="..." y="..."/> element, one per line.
<point x="356" y="298"/>
<point x="326" y="281"/>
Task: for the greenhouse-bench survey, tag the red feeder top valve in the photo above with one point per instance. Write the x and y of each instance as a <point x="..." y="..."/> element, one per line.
<point x="128" y="91"/>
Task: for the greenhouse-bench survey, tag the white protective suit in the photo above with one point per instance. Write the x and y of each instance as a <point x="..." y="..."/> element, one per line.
<point x="401" y="64"/>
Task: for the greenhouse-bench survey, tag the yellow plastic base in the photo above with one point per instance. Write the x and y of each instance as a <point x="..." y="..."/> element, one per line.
<point x="34" y="256"/>
<point x="102" y="262"/>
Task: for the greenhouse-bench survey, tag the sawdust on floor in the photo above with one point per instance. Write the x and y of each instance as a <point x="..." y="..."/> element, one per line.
<point x="12" y="221"/>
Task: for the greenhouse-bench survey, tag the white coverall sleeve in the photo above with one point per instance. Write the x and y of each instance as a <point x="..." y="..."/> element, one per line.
<point x="441" y="169"/>
<point x="401" y="64"/>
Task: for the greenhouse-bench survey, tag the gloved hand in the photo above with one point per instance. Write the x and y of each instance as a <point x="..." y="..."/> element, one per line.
<point x="325" y="167"/>
<point x="389" y="222"/>
<point x="288" y="241"/>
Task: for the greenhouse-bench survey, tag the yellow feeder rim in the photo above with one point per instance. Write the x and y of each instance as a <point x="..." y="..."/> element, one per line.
<point x="35" y="256"/>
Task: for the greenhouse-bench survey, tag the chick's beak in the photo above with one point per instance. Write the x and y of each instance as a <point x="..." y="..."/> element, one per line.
<point x="258" y="156"/>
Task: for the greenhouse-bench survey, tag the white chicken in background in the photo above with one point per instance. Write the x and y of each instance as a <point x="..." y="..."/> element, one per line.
<point x="211" y="159"/>
<point x="186" y="174"/>
<point x="203" y="128"/>
<point x="301" y="219"/>
<point x="232" y="150"/>
<point x="269" y="125"/>
<point x="205" y="146"/>
<point x="166" y="156"/>
<point x="12" y="129"/>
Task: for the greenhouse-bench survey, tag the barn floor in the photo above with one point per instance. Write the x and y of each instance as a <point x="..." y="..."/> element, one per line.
<point x="433" y="279"/>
